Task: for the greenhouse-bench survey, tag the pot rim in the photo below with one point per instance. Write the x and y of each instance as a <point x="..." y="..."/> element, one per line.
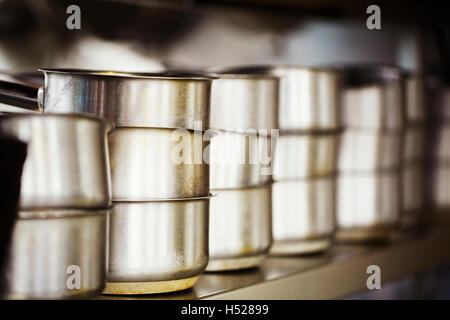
<point x="130" y="75"/>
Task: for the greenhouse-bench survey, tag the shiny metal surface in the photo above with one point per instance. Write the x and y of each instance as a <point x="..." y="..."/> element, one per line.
<point x="151" y="242"/>
<point x="130" y="99"/>
<point x="414" y="144"/>
<point x="362" y="150"/>
<point x="240" y="228"/>
<point x="373" y="98"/>
<point x="156" y="163"/>
<point x="309" y="97"/>
<point x="238" y="160"/>
<point x="44" y="249"/>
<point x="303" y="215"/>
<point x="67" y="165"/>
<point x="241" y="102"/>
<point x="413" y="194"/>
<point x="439" y="189"/>
<point x="305" y="155"/>
<point x="368" y="204"/>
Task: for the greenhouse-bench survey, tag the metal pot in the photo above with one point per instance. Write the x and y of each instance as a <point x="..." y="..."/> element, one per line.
<point x="239" y="160"/>
<point x="414" y="144"/>
<point x="243" y="101"/>
<point x="362" y="150"/>
<point x="373" y="98"/>
<point x="161" y="100"/>
<point x="53" y="250"/>
<point x="309" y="97"/>
<point x="159" y="246"/>
<point x="305" y="155"/>
<point x="368" y="205"/>
<point x="413" y="194"/>
<point x="240" y="228"/>
<point x="58" y="146"/>
<point x="303" y="215"/>
<point x="155" y="163"/>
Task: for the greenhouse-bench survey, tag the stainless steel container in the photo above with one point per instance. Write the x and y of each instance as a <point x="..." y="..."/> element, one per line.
<point x="239" y="160"/>
<point x="414" y="144"/>
<point x="300" y="156"/>
<point x="413" y="194"/>
<point x="67" y="165"/>
<point x="362" y="150"/>
<point x="303" y="215"/>
<point x="240" y="233"/>
<point x="159" y="246"/>
<point x="309" y="97"/>
<point x="130" y="99"/>
<point x="244" y="101"/>
<point x="59" y="254"/>
<point x="373" y="98"/>
<point x="155" y="163"/>
<point x="439" y="189"/>
<point x="368" y="205"/>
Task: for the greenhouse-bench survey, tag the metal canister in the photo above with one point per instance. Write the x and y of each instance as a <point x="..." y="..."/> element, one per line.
<point x="58" y="254"/>
<point x="159" y="246"/>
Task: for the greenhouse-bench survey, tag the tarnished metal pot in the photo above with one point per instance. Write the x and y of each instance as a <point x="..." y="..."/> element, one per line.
<point x="154" y="163"/>
<point x="159" y="246"/>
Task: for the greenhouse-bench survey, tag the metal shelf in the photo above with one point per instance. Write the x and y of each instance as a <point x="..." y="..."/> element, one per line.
<point x="339" y="273"/>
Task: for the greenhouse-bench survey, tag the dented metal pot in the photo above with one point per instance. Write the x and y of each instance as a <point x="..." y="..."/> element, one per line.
<point x="240" y="228"/>
<point x="158" y="246"/>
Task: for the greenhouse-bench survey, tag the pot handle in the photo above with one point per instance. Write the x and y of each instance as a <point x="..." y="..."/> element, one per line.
<point x="21" y="94"/>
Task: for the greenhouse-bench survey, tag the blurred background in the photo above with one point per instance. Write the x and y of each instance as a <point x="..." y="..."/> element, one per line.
<point x="148" y="35"/>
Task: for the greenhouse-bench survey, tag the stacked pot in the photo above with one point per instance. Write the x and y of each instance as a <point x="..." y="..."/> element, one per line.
<point x="369" y="197"/>
<point x="244" y="116"/>
<point x="59" y="241"/>
<point x="303" y="192"/>
<point x="158" y="228"/>
<point x="413" y="168"/>
<point x="438" y="184"/>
